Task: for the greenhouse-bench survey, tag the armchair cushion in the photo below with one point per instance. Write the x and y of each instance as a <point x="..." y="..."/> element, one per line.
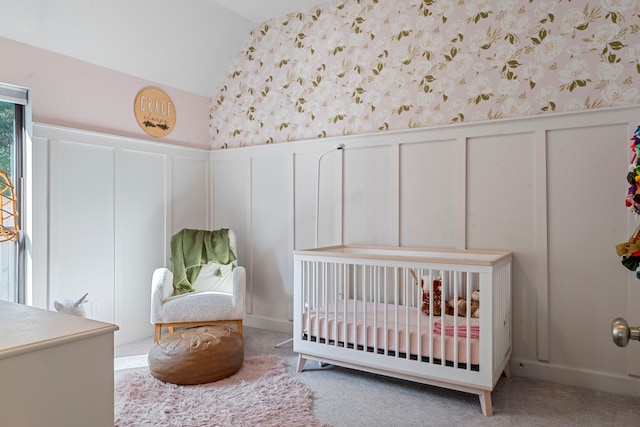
<point x="215" y="277"/>
<point x="199" y="306"/>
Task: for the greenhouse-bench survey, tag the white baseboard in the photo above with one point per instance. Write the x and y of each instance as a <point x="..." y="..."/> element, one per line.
<point x="576" y="377"/>
<point x="559" y="374"/>
<point x="270" y="324"/>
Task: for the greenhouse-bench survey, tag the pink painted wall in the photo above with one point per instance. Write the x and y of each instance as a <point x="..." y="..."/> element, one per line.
<point x="72" y="93"/>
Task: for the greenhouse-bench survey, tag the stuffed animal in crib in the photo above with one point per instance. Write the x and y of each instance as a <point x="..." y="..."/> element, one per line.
<point x="475" y="303"/>
<point x="71" y="307"/>
<point x="437" y="297"/>
<point x="461" y="304"/>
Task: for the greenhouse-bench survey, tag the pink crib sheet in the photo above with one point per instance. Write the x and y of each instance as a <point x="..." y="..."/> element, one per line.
<point x="328" y="322"/>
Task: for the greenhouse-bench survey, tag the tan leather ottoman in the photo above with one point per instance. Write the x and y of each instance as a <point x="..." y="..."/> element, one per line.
<point x="197" y="355"/>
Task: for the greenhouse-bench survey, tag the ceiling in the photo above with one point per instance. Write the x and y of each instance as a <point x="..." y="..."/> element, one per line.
<point x="202" y="37"/>
<point x="258" y="11"/>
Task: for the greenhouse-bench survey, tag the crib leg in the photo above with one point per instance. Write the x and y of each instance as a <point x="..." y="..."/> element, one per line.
<point x="507" y="370"/>
<point x="485" y="403"/>
<point x="301" y="362"/>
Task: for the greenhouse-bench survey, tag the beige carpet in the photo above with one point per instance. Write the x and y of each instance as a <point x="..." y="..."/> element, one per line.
<point x="261" y="393"/>
<point x="350" y="398"/>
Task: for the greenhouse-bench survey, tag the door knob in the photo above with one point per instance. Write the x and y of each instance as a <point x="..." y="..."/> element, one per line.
<point x="622" y="333"/>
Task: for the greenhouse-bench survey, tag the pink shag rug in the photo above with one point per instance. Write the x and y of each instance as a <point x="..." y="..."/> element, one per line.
<point x="261" y="393"/>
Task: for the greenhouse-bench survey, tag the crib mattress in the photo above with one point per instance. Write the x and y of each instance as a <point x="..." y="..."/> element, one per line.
<point x="391" y="329"/>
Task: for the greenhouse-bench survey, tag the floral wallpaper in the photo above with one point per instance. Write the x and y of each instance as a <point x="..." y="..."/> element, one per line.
<point x="362" y="66"/>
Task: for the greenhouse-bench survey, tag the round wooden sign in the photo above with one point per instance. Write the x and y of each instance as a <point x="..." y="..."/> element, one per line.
<point x="154" y="111"/>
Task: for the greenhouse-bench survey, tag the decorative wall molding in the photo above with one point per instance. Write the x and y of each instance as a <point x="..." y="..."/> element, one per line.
<point x="107" y="207"/>
<point x="517" y="184"/>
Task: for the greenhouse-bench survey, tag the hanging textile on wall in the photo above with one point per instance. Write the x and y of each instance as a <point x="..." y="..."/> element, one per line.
<point x="633" y="176"/>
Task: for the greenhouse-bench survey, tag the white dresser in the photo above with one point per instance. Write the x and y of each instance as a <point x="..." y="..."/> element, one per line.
<point x="55" y="369"/>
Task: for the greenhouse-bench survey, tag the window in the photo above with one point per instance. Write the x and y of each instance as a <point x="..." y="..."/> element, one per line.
<point x="13" y="101"/>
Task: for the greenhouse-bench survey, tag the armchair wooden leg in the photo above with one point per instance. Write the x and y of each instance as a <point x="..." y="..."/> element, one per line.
<point x="239" y="326"/>
<point x="157" y="333"/>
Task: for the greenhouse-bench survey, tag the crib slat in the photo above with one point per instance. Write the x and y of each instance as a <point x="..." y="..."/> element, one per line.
<point x="431" y="341"/>
<point x="355" y="311"/>
<point x="376" y="284"/>
<point x="468" y="292"/>
<point x="456" y="314"/>
<point x="417" y="302"/>
<point x="334" y="315"/>
<point x="386" y="312"/>
<point x="396" y="331"/>
<point x="316" y="289"/>
<point x="364" y="306"/>
<point x="341" y="299"/>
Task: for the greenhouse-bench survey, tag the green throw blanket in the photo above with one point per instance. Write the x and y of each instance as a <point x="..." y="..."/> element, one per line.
<point x="191" y="249"/>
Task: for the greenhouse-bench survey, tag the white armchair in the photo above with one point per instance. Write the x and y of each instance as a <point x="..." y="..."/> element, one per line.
<point x="218" y="297"/>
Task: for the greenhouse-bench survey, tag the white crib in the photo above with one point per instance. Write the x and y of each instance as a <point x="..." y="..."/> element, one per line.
<point x="360" y="307"/>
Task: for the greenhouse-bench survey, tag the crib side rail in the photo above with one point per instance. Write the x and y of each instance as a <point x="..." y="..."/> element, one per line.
<point x="376" y="308"/>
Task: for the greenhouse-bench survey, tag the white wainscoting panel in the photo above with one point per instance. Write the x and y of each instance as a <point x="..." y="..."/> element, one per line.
<point x="271" y="275"/>
<point x="501" y="215"/>
<point x="549" y="188"/>
<point x="330" y="203"/>
<point x="428" y="193"/>
<point x="305" y="174"/>
<point x="36" y="232"/>
<point x="370" y="196"/>
<point x="140" y="245"/>
<point x="82" y="224"/>
<point x="587" y="169"/>
<point x="232" y="201"/>
<point x="185" y="190"/>
<point x="113" y="204"/>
